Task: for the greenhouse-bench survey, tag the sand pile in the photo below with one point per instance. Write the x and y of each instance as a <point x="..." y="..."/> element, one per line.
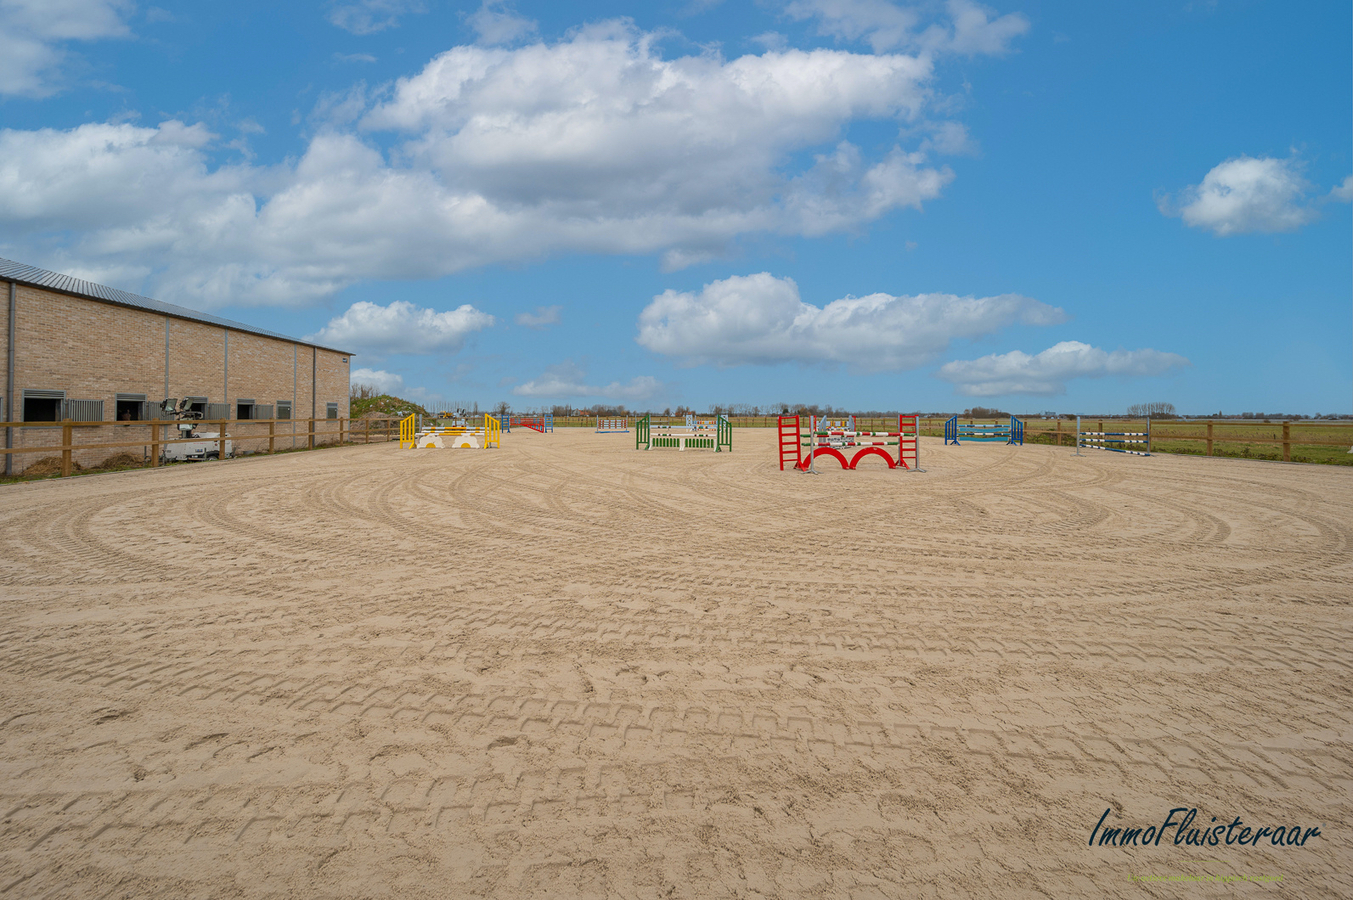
<point x="122" y="461"/>
<point x="50" y="465"/>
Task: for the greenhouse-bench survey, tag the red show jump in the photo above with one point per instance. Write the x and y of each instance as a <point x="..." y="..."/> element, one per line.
<point x="804" y="438"/>
<point x="541" y="423"/>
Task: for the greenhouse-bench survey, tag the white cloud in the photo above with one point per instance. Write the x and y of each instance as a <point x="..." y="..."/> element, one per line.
<point x="541" y="318"/>
<point x="883" y="25"/>
<point x="950" y="139"/>
<point x="402" y="327"/>
<point x="98" y="176"/>
<point x="496" y="24"/>
<point x="771" y="40"/>
<point x="1343" y="192"/>
<point x="639" y="150"/>
<point x="1047" y="373"/>
<point x="975" y="32"/>
<point x="1243" y="195"/>
<point x="596" y="144"/>
<point x="384" y="382"/>
<point x="33" y="32"/>
<point x="354" y="57"/>
<point x="371" y="16"/>
<point x="567" y="380"/>
<point x="968" y="28"/>
<point x="760" y="319"/>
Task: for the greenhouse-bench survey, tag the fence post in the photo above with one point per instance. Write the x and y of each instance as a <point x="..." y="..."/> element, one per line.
<point x="155" y="442"/>
<point x="340" y="430"/>
<point x="1209" y="438"/>
<point x="272" y="434"/>
<point x="311" y="438"/>
<point x="67" y="434"/>
<point x="1059" y="432"/>
<point x="1078" y="435"/>
<point x="220" y="441"/>
<point x="1287" y="442"/>
<point x="367" y="432"/>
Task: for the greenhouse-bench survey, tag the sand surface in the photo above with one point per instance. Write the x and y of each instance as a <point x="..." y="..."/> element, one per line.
<point x="570" y="669"/>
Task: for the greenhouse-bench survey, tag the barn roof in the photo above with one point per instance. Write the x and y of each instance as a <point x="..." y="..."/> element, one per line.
<point x="69" y="284"/>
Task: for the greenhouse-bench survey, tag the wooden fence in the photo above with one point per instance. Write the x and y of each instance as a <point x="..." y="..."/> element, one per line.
<point x="1210" y="433"/>
<point x="1214" y="435"/>
<point x="317" y="431"/>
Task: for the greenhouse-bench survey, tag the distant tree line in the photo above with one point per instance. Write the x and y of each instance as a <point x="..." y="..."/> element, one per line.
<point x="368" y="398"/>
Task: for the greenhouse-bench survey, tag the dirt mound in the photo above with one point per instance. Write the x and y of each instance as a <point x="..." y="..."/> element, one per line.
<point x="50" y="465"/>
<point x="122" y="461"/>
<point x="384" y="406"/>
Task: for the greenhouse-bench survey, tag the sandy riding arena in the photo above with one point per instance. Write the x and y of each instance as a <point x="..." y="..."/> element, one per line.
<point x="569" y="669"/>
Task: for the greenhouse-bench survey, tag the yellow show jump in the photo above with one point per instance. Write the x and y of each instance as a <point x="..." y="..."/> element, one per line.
<point x="471" y="437"/>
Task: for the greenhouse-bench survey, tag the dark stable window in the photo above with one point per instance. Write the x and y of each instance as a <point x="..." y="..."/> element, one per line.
<point x="129" y="410"/>
<point x="331" y="411"/>
<point x="244" y="410"/>
<point x="283" y="409"/>
<point x="41" y="409"/>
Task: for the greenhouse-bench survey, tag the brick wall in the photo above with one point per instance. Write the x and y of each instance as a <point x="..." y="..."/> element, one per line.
<point x="94" y="351"/>
<point x="196" y="360"/>
<point x="6" y="414"/>
<point x="331" y="371"/>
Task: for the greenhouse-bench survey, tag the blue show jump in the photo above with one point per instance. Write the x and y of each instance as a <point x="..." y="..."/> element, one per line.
<point x="1011" y="432"/>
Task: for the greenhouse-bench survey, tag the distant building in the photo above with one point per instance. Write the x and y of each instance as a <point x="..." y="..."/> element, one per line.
<point x="77" y="350"/>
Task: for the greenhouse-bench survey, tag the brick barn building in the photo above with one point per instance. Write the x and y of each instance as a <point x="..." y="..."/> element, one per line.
<point x="77" y="350"/>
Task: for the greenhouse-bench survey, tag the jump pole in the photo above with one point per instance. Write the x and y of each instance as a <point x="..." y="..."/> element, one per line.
<point x="1102" y="438"/>
<point x="918" y="443"/>
<point x="812" y="445"/>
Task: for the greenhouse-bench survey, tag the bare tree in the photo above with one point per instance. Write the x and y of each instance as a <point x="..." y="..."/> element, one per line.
<point x="1159" y="410"/>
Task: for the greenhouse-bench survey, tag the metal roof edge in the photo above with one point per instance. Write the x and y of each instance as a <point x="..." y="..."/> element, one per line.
<point x="46" y="279"/>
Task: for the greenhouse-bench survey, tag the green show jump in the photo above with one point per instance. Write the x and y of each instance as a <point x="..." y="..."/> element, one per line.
<point x="712" y="434"/>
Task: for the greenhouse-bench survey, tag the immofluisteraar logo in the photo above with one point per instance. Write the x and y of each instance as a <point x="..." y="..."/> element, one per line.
<point x="1234" y="833"/>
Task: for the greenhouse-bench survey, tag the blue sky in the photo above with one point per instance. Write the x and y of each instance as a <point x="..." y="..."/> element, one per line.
<point x="861" y="203"/>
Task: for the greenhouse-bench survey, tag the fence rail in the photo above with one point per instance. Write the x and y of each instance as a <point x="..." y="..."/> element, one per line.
<point x="1212" y="434"/>
<point x="1278" y="434"/>
<point x="315" y="431"/>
